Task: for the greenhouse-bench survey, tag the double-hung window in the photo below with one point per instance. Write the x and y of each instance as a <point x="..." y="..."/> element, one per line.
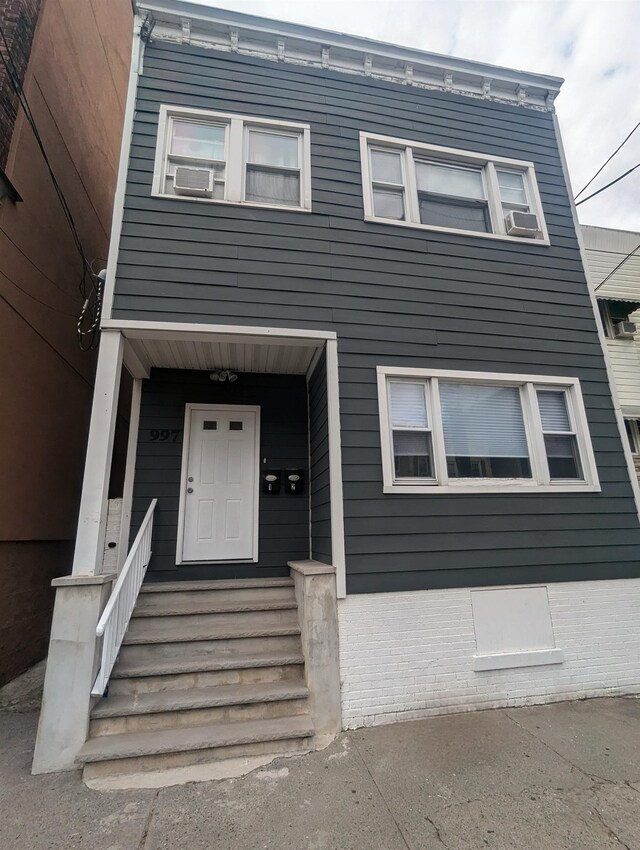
<point x="439" y="188"/>
<point x="464" y="431"/>
<point x="236" y="159"/>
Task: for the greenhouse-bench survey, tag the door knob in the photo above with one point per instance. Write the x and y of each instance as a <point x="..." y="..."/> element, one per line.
<point x="190" y="479"/>
<point x="189" y="489"/>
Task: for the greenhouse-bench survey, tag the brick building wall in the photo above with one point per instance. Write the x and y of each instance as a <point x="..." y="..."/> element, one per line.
<point x="18" y="19"/>
<point x="409" y="655"/>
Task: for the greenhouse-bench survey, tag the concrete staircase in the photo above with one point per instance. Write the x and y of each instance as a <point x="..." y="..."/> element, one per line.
<point x="210" y="683"/>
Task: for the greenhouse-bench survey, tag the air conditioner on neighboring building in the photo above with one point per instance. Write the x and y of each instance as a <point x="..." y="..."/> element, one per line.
<point x="522" y="224"/>
<point x="193" y="181"/>
<point x="624" y="330"/>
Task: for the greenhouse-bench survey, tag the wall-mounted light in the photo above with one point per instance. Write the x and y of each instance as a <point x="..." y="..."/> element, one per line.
<point x="223" y="375"/>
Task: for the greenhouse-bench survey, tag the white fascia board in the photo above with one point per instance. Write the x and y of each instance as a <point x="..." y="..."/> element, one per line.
<point x="357" y="49"/>
<point x="135" y="329"/>
<point x="135" y="69"/>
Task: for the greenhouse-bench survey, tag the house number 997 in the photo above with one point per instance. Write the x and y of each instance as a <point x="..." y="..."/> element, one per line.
<point x="164" y="434"/>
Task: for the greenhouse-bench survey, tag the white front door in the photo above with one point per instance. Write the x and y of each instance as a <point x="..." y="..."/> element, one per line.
<point x="220" y="484"/>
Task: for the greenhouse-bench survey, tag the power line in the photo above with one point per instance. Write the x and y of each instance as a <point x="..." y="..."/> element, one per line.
<point x="36" y="267"/>
<point x="602" y="167"/>
<point x="613" y="271"/>
<point x="613" y="182"/>
<point x="46" y="341"/>
<point x="92" y="306"/>
<point x="44" y="303"/>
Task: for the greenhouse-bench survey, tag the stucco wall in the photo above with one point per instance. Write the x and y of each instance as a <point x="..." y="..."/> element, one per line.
<point x="75" y="83"/>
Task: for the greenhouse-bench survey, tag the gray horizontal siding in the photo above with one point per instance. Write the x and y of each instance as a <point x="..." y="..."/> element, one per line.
<point x="395" y="296"/>
<point x="283" y="518"/>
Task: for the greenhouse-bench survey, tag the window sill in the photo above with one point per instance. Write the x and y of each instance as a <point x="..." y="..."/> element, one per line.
<point x="251" y="204"/>
<point x="414" y="226"/>
<point x="483" y="489"/>
<point x="508" y="660"/>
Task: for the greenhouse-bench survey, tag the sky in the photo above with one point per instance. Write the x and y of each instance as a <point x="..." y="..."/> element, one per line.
<point x="593" y="44"/>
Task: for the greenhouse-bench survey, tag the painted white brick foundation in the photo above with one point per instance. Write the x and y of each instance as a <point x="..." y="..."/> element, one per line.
<point x="409" y="655"/>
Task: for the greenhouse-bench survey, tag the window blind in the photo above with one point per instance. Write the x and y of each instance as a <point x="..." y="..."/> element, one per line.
<point x="482" y="421"/>
<point x="553" y="410"/>
<point x="408" y="408"/>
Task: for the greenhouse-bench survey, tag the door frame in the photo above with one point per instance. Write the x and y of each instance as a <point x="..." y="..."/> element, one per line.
<point x="242" y="408"/>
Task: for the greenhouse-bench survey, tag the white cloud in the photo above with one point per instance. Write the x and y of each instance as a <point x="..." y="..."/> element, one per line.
<point x="593" y="44"/>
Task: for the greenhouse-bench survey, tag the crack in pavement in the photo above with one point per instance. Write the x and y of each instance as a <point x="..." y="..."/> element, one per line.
<point x="594" y="777"/>
<point x="384" y="799"/>
<point x="609" y="829"/>
<point x="147" y="824"/>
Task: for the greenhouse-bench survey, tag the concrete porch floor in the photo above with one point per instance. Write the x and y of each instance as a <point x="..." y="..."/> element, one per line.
<point x="558" y="776"/>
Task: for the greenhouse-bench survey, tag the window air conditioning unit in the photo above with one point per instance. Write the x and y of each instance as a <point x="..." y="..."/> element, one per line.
<point x="522" y="224"/>
<point x="193" y="181"/>
<point x="624" y="330"/>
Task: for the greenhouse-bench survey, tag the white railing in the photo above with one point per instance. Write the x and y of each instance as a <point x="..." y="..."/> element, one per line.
<point x="117" y="613"/>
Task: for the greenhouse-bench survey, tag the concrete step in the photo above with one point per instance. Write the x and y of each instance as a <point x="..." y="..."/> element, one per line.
<point x="197" y="593"/>
<point x="251" y="621"/>
<point x="203" y="644"/>
<point x="221" y="584"/>
<point x="198" y="707"/>
<point x="146" y="632"/>
<point x="194" y="739"/>
<point x="159" y="674"/>
<point x="158" y="771"/>
<point x="119" y="706"/>
<point x="173" y="604"/>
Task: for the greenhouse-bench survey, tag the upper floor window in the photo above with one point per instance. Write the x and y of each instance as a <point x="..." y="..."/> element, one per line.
<point x="459" y="431"/>
<point x="234" y="159"/>
<point x="616" y="318"/>
<point x="444" y="189"/>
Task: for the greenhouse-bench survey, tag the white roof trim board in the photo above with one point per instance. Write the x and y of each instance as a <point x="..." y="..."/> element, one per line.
<point x="605" y="249"/>
<point x="280" y="41"/>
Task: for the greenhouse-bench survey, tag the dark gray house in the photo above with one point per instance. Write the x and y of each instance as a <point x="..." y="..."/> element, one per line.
<point x="375" y="470"/>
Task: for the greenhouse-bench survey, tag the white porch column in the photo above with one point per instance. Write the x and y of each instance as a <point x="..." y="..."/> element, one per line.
<point x="92" y="519"/>
<point x="335" y="468"/>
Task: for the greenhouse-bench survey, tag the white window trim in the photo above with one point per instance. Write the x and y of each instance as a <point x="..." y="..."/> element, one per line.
<point x="235" y="153"/>
<point x="533" y="428"/>
<point x="452" y="156"/>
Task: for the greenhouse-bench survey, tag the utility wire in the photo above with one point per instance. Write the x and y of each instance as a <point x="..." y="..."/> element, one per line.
<point x="91" y="309"/>
<point x="36" y="267"/>
<point x="44" y="303"/>
<point x="613" y="182"/>
<point x="602" y="167"/>
<point x="613" y="271"/>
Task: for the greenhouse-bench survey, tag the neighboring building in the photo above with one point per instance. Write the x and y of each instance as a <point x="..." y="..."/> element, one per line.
<point x="46" y="382"/>
<point x="613" y="260"/>
<point x="346" y="279"/>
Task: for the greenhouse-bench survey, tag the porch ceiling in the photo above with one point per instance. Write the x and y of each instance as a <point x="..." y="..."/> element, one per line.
<point x="245" y="356"/>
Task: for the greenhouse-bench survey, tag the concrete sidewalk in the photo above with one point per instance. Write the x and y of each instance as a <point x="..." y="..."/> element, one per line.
<point x="559" y="776"/>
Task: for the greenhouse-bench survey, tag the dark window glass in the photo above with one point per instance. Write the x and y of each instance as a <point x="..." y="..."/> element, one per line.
<point x="209" y="425"/>
<point x="412" y="454"/>
<point x="563" y="456"/>
<point x="447" y="212"/>
<point x="235" y="426"/>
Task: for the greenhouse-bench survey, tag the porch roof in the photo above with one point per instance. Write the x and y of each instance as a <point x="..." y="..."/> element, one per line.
<point x="263" y="350"/>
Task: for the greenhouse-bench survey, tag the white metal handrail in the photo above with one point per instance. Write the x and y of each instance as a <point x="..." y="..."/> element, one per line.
<point x="115" y="618"/>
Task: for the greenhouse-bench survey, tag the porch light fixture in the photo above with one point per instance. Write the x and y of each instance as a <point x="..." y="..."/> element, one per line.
<point x="223" y="375"/>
